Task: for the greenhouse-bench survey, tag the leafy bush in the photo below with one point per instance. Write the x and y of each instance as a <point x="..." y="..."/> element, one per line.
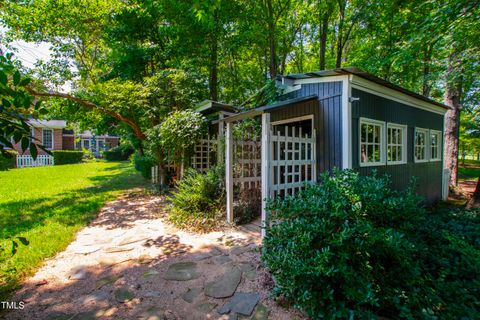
<point x="248" y="206"/>
<point x="9" y="161"/>
<point x="67" y="156"/>
<point x="120" y="153"/>
<point x="198" y="201"/>
<point x="352" y="246"/>
<point x="143" y="164"/>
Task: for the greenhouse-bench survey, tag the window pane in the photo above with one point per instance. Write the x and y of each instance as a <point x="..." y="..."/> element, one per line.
<point x="363" y="156"/>
<point x="377" y="134"/>
<point x="370" y="153"/>
<point x="364" y="132"/>
<point x="47" y="138"/>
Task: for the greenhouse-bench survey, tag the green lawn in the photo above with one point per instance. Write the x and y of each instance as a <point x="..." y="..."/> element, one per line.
<point x="47" y="205"/>
<point x="469" y="170"/>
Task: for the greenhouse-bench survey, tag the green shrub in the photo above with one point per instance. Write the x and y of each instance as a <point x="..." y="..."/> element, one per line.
<point x="198" y="202"/>
<point x="67" y="156"/>
<point x="120" y="153"/>
<point x="143" y="164"/>
<point x="352" y="246"/>
<point x="8" y="162"/>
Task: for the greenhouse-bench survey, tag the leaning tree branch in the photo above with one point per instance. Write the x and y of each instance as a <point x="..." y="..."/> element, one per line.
<point x="137" y="131"/>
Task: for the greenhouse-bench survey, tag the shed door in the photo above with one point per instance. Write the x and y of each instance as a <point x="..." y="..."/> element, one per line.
<point x="293" y="157"/>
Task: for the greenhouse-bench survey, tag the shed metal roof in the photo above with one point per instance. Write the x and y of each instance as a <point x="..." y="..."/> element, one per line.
<point x="258" y="111"/>
<point x="364" y="75"/>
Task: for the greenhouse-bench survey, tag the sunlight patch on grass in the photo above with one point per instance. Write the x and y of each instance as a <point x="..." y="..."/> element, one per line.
<point x="48" y="205"/>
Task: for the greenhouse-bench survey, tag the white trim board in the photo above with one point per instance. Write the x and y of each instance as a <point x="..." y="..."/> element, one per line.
<point x="379" y="90"/>
<point x="346" y="123"/>
<point x="290" y="120"/>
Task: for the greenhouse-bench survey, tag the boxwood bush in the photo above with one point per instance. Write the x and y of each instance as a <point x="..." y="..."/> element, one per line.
<point x="198" y="201"/>
<point x="8" y="162"/>
<point x="351" y="246"/>
<point x="143" y="164"/>
<point x="120" y="153"/>
<point x="67" y="156"/>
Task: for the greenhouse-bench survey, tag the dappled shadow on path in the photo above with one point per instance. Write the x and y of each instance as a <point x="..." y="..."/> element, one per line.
<point x="111" y="273"/>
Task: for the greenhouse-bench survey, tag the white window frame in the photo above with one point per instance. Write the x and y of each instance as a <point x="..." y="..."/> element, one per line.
<point x="427" y="144"/>
<point x="403" y="145"/>
<point x="382" y="142"/>
<point x="53" y="141"/>
<point x="439" y="146"/>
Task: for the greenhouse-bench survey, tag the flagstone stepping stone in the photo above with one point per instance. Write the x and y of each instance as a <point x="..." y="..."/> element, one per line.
<point x="241" y="303"/>
<point x="89" y="315"/>
<point x="205" y="307"/>
<point x="182" y="271"/>
<point x="251" y="275"/>
<point x="85" y="249"/>
<point x="152" y="294"/>
<point x="152" y="313"/>
<point x="238" y="250"/>
<point x="106" y="280"/>
<point x="133" y="239"/>
<point x="150" y="274"/>
<point x="79" y="273"/>
<point x="261" y="313"/>
<point x="223" y="259"/>
<point x="213" y="252"/>
<point x="117" y="249"/>
<point x="225" y="285"/>
<point x="96" y="297"/>
<point x="123" y="295"/>
<point x="191" y="294"/>
<point x="245" y="266"/>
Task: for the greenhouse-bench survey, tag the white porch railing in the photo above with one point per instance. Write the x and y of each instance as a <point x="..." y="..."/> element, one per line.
<point x="26" y="161"/>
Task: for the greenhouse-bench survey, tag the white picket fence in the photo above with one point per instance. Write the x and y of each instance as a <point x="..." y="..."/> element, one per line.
<point x="26" y="161"/>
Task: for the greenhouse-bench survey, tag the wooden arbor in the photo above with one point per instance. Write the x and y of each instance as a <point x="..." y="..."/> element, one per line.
<point x="287" y="157"/>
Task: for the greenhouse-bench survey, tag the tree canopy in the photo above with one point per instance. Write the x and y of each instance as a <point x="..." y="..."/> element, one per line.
<point x="133" y="62"/>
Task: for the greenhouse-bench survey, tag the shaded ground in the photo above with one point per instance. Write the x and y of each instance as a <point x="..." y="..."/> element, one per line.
<point x="116" y="269"/>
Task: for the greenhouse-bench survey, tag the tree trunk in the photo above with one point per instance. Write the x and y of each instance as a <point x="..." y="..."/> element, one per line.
<point x="273" y="65"/>
<point x="213" y="79"/>
<point x="341" y="7"/>
<point x="427" y="54"/>
<point x="323" y="40"/>
<point x="452" y="123"/>
<point x="474" y="201"/>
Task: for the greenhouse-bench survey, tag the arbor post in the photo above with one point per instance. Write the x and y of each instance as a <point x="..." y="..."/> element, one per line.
<point x="265" y="167"/>
<point x="229" y="171"/>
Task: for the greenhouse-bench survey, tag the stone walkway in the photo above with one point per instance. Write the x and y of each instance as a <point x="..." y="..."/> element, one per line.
<point x="130" y="264"/>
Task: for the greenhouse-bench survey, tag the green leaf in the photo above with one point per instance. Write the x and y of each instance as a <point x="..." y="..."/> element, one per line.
<point x="33" y="151"/>
<point x="3" y="78"/>
<point x="14" y="247"/>
<point x="6" y="103"/>
<point x="23" y="240"/>
<point x="25" y="143"/>
<point x="25" y="81"/>
<point x="16" y="78"/>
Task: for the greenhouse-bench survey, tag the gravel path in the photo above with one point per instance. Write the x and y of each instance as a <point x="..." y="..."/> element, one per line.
<point x="130" y="264"/>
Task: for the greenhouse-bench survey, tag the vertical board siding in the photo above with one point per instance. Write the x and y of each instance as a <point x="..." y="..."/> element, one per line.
<point x="327" y="119"/>
<point x="428" y="174"/>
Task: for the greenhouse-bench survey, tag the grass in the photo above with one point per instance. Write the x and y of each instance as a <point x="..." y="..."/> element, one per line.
<point x="47" y="206"/>
<point x="469" y="170"/>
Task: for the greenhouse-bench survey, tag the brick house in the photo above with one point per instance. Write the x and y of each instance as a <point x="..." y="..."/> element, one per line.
<point x="53" y="135"/>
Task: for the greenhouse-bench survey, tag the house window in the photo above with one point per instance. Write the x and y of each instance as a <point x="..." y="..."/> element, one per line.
<point x="420" y="149"/>
<point x="435" y="145"/>
<point x="32" y="134"/>
<point x="86" y="144"/>
<point x="372" y="143"/>
<point x="78" y="144"/>
<point x="396" y="144"/>
<point x="101" y="145"/>
<point x="47" y="138"/>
